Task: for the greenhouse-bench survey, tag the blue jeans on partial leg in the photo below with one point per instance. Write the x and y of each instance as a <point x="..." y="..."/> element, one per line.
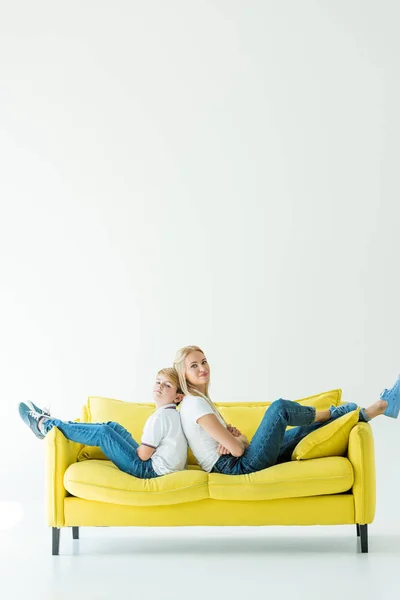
<point x="266" y="443"/>
<point x="271" y="443"/>
<point x="114" y="440"/>
<point x="293" y="436"/>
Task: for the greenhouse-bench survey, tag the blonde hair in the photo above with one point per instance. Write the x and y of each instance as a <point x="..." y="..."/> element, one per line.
<point x="186" y="387"/>
<point x="173" y="377"/>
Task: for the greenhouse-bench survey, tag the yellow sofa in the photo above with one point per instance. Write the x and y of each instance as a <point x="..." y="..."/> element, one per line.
<point x="85" y="489"/>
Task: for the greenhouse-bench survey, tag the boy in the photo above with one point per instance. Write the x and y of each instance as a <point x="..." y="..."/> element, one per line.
<point x="163" y="449"/>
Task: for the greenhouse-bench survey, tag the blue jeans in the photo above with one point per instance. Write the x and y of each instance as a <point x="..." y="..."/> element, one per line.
<point x="271" y="443"/>
<point x="113" y="439"/>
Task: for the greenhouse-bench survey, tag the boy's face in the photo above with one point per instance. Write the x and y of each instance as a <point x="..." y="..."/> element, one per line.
<point x="165" y="392"/>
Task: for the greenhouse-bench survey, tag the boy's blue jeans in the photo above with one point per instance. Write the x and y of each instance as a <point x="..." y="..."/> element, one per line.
<point x="271" y="443"/>
<point x="113" y="439"/>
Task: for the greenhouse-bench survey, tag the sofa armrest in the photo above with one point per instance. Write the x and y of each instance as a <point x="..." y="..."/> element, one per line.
<point x="60" y="454"/>
<point x="362" y="456"/>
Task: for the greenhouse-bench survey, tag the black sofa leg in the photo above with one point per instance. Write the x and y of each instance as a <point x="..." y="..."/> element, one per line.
<point x="75" y="533"/>
<point x="358" y="530"/>
<point x="56" y="541"/>
<point x="364" y="537"/>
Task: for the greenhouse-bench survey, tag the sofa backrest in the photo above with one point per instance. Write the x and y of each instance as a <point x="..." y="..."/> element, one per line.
<point x="245" y="416"/>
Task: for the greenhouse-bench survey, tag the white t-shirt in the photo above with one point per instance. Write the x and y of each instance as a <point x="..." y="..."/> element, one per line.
<point x="163" y="431"/>
<point x="203" y="446"/>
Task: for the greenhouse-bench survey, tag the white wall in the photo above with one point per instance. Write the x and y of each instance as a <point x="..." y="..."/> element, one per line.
<point x="218" y="173"/>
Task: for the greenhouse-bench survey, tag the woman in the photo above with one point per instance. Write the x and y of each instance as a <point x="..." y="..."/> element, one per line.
<point x="222" y="448"/>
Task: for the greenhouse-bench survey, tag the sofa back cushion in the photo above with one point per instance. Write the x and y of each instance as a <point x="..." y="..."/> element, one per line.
<point x="246" y="416"/>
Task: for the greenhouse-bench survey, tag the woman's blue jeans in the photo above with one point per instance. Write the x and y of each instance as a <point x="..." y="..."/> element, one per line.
<point x="113" y="439"/>
<point x="271" y="443"/>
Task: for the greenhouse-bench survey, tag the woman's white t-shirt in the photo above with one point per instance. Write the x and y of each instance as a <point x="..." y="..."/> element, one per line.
<point x="203" y="446"/>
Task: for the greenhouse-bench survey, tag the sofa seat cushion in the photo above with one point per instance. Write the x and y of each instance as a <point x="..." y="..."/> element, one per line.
<point x="315" y="477"/>
<point x="101" y="480"/>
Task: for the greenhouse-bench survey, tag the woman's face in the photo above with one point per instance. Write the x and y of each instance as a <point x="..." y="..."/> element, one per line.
<point x="197" y="370"/>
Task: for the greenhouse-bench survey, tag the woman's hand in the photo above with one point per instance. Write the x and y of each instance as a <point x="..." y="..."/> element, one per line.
<point x="242" y="438"/>
<point x="221" y="435"/>
<point x="235" y="432"/>
<point x="222" y="450"/>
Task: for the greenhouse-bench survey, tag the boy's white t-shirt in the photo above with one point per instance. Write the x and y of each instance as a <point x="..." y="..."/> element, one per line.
<point x="163" y="431"/>
<point x="203" y="446"/>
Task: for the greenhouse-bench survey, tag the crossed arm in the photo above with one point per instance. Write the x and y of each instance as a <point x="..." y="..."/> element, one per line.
<point x="145" y="452"/>
<point x="230" y="439"/>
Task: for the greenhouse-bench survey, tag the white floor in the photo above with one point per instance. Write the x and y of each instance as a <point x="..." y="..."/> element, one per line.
<point x="197" y="563"/>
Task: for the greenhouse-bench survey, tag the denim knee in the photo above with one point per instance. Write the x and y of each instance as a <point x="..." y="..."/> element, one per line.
<point x="106" y="428"/>
<point x="279" y="405"/>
